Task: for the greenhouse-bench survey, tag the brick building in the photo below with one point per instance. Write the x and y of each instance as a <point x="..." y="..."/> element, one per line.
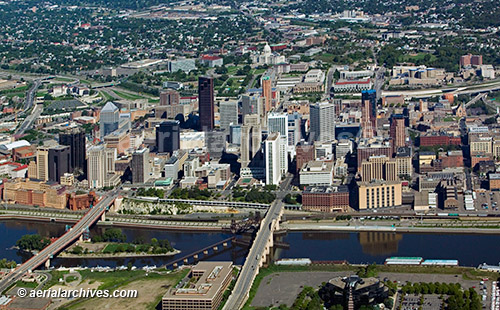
<point x="326" y="199"/>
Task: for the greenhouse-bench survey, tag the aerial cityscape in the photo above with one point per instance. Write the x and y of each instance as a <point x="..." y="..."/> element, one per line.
<point x="256" y="155"/>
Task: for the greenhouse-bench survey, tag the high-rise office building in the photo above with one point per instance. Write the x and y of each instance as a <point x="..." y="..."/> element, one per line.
<point x="322" y="124"/>
<point x="367" y="129"/>
<point x="140" y="166"/>
<point x="168" y="136"/>
<point x="398" y="132"/>
<point x="267" y="92"/>
<point x="294" y="135"/>
<point x="215" y="141"/>
<point x="369" y="97"/>
<point x="235" y="134"/>
<point x="251" y="138"/>
<point x="272" y="158"/>
<point x="251" y="104"/>
<point x="278" y="122"/>
<point x="228" y="111"/>
<point x="42" y="163"/>
<point x="379" y="168"/>
<point x="283" y="149"/>
<point x="206" y="102"/>
<point x="169" y="97"/>
<point x="304" y="153"/>
<point x="101" y="165"/>
<point x="59" y="162"/>
<point x="109" y="119"/>
<point x="75" y="139"/>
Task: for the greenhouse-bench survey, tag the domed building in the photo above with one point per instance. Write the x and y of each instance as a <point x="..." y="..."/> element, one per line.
<point x="267" y="57"/>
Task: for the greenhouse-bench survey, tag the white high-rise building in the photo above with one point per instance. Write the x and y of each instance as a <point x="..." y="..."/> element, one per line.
<point x="283" y="155"/>
<point x="228" y="111"/>
<point x="101" y="166"/>
<point x="322" y="121"/>
<point x="272" y="158"/>
<point x="277" y="122"/>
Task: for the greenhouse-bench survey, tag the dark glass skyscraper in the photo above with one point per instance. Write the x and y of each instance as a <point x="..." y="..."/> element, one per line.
<point x="168" y="136"/>
<point x="206" y="102"/>
<point x="75" y="139"/>
<point x="59" y="162"/>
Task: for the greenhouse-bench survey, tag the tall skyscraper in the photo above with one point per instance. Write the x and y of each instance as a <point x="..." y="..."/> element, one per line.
<point x="109" y="119"/>
<point x="75" y="139"/>
<point x="272" y="158"/>
<point x="251" y="104"/>
<point x="206" y="102"/>
<point x="251" y="138"/>
<point x="101" y="163"/>
<point x="235" y="134"/>
<point x="169" y="97"/>
<point x="59" y="162"/>
<point x="322" y="124"/>
<point x="42" y="162"/>
<point x="367" y="129"/>
<point x="140" y="166"/>
<point x="267" y="92"/>
<point x="228" y="111"/>
<point x="398" y="132"/>
<point x="168" y="136"/>
<point x="369" y="98"/>
<point x="277" y="122"/>
<point x="294" y="135"/>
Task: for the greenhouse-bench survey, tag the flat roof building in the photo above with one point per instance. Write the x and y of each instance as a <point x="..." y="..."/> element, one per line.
<point x="202" y="288"/>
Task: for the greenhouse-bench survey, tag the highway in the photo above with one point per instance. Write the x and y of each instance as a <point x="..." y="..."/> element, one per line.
<point x="251" y="266"/>
<point x="62" y="242"/>
<point x="28" y="103"/>
<point x="462" y="90"/>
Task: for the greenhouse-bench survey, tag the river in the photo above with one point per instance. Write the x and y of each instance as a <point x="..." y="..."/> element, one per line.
<point x="361" y="247"/>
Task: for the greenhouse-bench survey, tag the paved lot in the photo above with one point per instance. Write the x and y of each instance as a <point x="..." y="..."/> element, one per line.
<point x="412" y="302"/>
<point x="283" y="287"/>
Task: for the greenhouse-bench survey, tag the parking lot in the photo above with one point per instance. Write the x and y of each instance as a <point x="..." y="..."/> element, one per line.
<point x="487" y="202"/>
<point x="283" y="287"/>
<point x="413" y="302"/>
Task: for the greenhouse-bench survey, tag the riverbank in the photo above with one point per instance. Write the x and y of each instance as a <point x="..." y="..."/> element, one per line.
<point x="120" y="222"/>
<point x="343" y="227"/>
<point x="117" y="255"/>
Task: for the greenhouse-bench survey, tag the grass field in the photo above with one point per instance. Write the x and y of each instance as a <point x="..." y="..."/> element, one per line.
<point x="63" y="79"/>
<point x="106" y="96"/>
<point x="150" y="289"/>
<point x="414" y="58"/>
<point x="26" y="284"/>
<point x="128" y="96"/>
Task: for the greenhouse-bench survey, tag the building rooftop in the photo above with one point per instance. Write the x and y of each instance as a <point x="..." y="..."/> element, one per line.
<point x="109" y="107"/>
<point x="326" y="189"/>
<point x="206" y="280"/>
<point x="495" y="176"/>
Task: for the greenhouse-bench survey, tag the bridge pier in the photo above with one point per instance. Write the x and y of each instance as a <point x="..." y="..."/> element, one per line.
<point x="103" y="217"/>
<point x="195" y="256"/>
<point x="185" y="260"/>
<point x="80" y="239"/>
<point x="205" y="252"/>
<point x="47" y="264"/>
<point x="215" y="248"/>
<point x="224" y="244"/>
<point x="175" y="265"/>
